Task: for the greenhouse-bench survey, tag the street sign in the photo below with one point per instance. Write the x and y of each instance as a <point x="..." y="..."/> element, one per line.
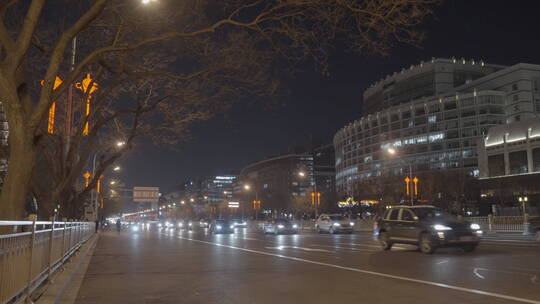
<point x="145" y="194"/>
<point x="234" y="204"/>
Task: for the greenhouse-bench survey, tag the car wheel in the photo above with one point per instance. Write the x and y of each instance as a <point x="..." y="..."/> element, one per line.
<point x="537" y="236"/>
<point x="469" y="248"/>
<point x="385" y="241"/>
<point x="426" y="245"/>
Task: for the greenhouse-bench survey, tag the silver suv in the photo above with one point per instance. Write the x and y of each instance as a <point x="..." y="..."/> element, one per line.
<point x="333" y="223"/>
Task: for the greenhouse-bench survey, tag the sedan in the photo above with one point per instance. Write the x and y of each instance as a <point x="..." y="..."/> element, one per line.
<point x="280" y="226"/>
<point x="221" y="226"/>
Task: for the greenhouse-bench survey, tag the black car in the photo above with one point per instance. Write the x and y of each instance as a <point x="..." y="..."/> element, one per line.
<point x="221" y="226"/>
<point x="534" y="228"/>
<point x="428" y="227"/>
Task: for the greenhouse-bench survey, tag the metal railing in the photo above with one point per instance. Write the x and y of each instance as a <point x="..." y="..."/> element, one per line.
<point x="501" y="223"/>
<point x="32" y="250"/>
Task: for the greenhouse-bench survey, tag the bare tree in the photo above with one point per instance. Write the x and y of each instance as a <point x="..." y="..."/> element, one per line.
<point x="160" y="69"/>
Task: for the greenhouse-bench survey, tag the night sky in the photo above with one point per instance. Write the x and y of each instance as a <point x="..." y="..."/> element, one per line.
<point x="500" y="32"/>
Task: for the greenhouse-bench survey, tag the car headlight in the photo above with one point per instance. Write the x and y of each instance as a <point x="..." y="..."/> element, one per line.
<point x="280" y="226"/>
<point x="295" y="226"/>
<point x="190" y="224"/>
<point x="167" y="224"/>
<point x="180" y="224"/>
<point x="336" y="224"/>
<point x="218" y="227"/>
<point x="135" y="228"/>
<point x="439" y="227"/>
<point x="351" y="223"/>
<point x="160" y="225"/>
<point x="475" y="226"/>
<point x="231" y="226"/>
<point x="244" y="223"/>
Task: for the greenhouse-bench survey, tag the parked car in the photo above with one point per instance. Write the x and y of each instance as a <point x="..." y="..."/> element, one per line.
<point x="280" y="226"/>
<point x="428" y="227"/>
<point x="221" y="226"/>
<point x="534" y="228"/>
<point x="333" y="223"/>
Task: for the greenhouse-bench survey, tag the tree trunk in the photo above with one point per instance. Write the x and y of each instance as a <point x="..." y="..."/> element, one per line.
<point x="16" y="185"/>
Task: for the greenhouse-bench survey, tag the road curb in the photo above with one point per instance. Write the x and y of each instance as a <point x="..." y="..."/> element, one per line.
<point x="64" y="286"/>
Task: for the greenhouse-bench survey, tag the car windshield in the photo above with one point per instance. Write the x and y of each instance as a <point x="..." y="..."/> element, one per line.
<point x="431" y="213"/>
<point x="337" y="218"/>
<point x="222" y="222"/>
<point x="282" y="221"/>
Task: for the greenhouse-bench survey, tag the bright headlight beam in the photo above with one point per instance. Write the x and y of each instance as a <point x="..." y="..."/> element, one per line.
<point x="475" y="226"/>
<point x="440" y="227"/>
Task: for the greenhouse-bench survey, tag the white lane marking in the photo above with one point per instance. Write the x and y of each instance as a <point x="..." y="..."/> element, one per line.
<point x="379" y="274"/>
<point x="442" y="262"/>
<point x="476" y="273"/>
<point x="348" y="248"/>
<point x="301" y="248"/>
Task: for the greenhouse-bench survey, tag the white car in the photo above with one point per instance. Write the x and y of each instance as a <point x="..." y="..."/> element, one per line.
<point x="333" y="223"/>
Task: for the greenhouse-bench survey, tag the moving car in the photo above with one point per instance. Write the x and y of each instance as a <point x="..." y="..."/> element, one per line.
<point x="184" y="224"/>
<point x="428" y="227"/>
<point x="204" y="223"/>
<point x="280" y="226"/>
<point x="238" y="223"/>
<point x="534" y="228"/>
<point x="221" y="226"/>
<point x="334" y="223"/>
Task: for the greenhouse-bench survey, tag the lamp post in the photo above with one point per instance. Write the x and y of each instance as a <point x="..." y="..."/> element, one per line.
<point x="93" y="196"/>
<point x="410" y="181"/>
<point x="256" y="204"/>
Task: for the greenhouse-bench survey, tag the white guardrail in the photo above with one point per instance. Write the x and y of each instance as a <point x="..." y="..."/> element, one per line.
<point x="31" y="250"/>
<point x="495" y="224"/>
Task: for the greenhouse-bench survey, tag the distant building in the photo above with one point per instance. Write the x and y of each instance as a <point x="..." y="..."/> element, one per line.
<point x="509" y="161"/>
<point x="432" y="115"/>
<point x="277" y="182"/>
<point x="206" y="190"/>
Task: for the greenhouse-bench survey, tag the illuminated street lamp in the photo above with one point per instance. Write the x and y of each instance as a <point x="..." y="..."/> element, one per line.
<point x="117" y="168"/>
<point x="148" y="1"/>
<point x="191" y="200"/>
<point x="182" y="202"/>
<point x="113" y="182"/>
<point x="301" y="174"/>
<point x="120" y="144"/>
<point x="393" y="151"/>
<point x="247" y="187"/>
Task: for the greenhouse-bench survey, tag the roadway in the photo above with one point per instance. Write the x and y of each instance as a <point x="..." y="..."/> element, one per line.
<point x="179" y="266"/>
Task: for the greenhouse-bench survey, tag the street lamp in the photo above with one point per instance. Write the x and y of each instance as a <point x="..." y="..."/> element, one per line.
<point x="191" y="200"/>
<point x="393" y="151"/>
<point x="247" y="187"/>
<point x="117" y="168"/>
<point x="113" y="182"/>
<point x="120" y="144"/>
<point x="301" y="174"/>
<point x="182" y="202"/>
<point x="147" y="1"/>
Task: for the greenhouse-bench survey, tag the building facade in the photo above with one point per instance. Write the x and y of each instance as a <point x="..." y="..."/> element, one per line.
<point x="278" y="182"/>
<point x="431" y="116"/>
<point x="509" y="162"/>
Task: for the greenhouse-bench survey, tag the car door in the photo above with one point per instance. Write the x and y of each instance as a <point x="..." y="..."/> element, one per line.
<point x="408" y="224"/>
<point x="391" y="224"/>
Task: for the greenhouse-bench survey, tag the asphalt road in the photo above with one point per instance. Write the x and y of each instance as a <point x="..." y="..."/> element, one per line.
<point x="170" y="266"/>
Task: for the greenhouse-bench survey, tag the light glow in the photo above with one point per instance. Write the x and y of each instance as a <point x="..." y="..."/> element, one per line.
<point x="440" y="227"/>
<point x="475" y="226"/>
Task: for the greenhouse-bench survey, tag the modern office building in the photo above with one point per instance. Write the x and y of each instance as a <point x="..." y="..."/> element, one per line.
<point x="431" y="116"/>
